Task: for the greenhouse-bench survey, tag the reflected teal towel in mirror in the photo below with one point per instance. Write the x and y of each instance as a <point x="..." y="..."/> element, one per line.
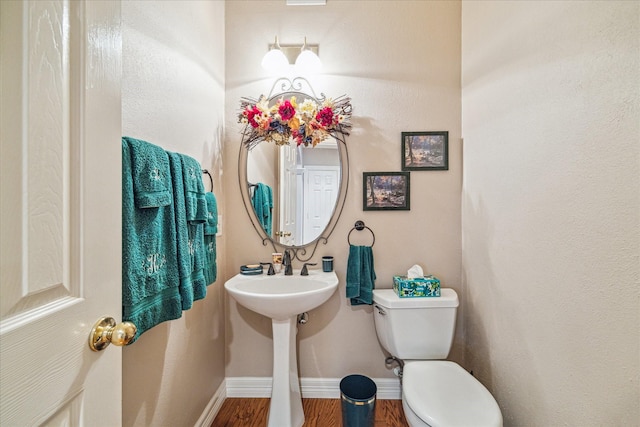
<point x="361" y="275"/>
<point x="262" y="202"/>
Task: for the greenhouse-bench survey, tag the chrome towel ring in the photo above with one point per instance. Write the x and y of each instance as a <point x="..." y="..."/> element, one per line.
<point x="359" y="225"/>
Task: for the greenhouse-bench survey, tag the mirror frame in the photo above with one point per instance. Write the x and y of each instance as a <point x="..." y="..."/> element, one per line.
<point x="301" y="252"/>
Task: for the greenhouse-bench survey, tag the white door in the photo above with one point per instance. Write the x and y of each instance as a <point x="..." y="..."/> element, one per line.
<point x="320" y="194"/>
<point x="60" y="211"/>
<point x="287" y="195"/>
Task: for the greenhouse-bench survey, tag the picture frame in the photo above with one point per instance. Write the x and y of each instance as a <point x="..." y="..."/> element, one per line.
<point x="424" y="151"/>
<point x="383" y="191"/>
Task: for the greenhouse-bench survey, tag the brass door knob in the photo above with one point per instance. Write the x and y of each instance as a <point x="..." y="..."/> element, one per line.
<point x="105" y="331"/>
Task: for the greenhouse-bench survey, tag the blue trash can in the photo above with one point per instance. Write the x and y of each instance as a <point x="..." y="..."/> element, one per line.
<point x="358" y="401"/>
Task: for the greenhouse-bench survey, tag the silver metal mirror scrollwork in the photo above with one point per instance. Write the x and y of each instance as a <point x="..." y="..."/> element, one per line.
<point x="293" y="167"/>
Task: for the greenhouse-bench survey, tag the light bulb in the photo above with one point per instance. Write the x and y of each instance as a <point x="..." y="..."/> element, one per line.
<point x="275" y="60"/>
<point x="308" y="62"/>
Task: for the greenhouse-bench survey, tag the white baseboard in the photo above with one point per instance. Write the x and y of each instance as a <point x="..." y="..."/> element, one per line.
<point x="248" y="386"/>
<point x="212" y="408"/>
<point x="313" y="388"/>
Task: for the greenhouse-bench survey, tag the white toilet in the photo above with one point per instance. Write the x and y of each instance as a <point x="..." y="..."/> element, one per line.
<point x="435" y="392"/>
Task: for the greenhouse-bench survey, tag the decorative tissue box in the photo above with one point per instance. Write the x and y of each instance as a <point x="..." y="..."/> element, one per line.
<point x="427" y="286"/>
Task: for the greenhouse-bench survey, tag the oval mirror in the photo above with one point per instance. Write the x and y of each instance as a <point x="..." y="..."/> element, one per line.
<point x="294" y="190"/>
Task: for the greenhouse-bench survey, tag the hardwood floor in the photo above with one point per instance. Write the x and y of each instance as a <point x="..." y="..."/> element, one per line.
<point x="241" y="412"/>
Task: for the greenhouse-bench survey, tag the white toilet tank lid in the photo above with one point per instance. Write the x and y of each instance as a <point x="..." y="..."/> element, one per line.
<point x="442" y="394"/>
<point x="389" y="299"/>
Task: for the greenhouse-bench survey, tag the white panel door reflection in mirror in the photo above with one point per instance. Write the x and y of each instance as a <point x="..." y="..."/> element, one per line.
<point x="287" y="195"/>
<point x="320" y="194"/>
<point x="60" y="217"/>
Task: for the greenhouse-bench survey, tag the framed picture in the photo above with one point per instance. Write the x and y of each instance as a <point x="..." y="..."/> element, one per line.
<point x="422" y="151"/>
<point x="383" y="191"/>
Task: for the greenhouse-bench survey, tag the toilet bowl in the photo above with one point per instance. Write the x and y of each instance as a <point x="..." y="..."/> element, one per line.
<point x="435" y="392"/>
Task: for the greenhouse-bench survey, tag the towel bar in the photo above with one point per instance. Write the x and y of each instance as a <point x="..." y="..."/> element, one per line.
<point x="205" y="171"/>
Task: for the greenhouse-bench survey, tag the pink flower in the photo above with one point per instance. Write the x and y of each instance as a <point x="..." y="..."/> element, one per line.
<point x="286" y="110"/>
<point x="325" y="117"/>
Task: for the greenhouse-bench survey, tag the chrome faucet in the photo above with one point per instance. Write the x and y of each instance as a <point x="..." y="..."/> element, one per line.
<point x="286" y="262"/>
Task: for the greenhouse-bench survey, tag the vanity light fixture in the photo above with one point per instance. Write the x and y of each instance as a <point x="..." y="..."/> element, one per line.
<point x="304" y="57"/>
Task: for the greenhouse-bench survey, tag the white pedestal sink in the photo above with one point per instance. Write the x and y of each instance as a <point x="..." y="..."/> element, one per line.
<point x="282" y="298"/>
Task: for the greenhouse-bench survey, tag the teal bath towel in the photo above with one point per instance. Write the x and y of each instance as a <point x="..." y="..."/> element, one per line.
<point x="262" y="202"/>
<point x="184" y="258"/>
<point x="196" y="210"/>
<point x="210" y="230"/>
<point x="150" y="276"/>
<point x="361" y="275"/>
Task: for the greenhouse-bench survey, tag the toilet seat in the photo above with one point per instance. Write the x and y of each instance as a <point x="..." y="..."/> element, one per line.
<point x="443" y="394"/>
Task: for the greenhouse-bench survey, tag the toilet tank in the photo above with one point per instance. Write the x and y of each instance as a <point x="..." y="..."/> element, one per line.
<point x="415" y="328"/>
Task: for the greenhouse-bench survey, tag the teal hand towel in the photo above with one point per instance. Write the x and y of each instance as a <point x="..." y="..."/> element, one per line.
<point x="149" y="172"/>
<point x="210" y="230"/>
<point x="211" y="226"/>
<point x="150" y="277"/>
<point x="196" y="241"/>
<point x="196" y="210"/>
<point x="262" y="202"/>
<point x="195" y="202"/>
<point x="184" y="259"/>
<point x="361" y="275"/>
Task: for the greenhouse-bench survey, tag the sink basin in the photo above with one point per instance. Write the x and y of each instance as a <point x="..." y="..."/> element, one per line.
<point x="281" y="297"/>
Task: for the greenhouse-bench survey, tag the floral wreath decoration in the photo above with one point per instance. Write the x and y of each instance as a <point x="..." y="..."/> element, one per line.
<point x="307" y="123"/>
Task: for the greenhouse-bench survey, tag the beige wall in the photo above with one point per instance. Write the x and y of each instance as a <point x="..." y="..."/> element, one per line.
<point x="550" y="208"/>
<point x="173" y="96"/>
<point x="550" y="200"/>
<point x="400" y="63"/>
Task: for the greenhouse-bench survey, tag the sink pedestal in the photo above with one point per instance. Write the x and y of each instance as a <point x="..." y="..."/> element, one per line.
<point x="285" y="409"/>
<point x="281" y="298"/>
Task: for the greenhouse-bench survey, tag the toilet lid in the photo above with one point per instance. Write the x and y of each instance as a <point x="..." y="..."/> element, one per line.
<point x="443" y="394"/>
